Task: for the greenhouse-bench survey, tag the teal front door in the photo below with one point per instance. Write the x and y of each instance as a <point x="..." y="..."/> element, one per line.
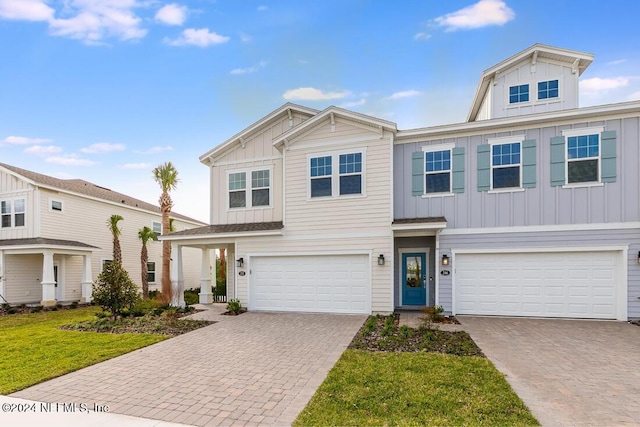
<point x="414" y="274"/>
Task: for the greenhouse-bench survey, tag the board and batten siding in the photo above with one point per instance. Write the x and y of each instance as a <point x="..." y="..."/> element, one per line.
<point x="551" y="239"/>
<point x="258" y="151"/>
<point x="85" y="220"/>
<point x="543" y="204"/>
<point x="23" y="274"/>
<point x="11" y="188"/>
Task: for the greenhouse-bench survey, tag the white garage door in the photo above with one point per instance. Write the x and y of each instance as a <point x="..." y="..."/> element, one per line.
<point x="556" y="284"/>
<point x="322" y="284"/>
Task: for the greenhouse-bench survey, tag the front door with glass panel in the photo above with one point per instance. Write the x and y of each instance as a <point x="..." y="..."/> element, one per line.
<point x="414" y="274"/>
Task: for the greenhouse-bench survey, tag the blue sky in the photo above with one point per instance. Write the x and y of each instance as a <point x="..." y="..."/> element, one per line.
<point x="105" y="90"/>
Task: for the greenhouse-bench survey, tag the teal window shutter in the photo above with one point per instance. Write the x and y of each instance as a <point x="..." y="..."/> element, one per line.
<point x="558" y="154"/>
<point x="529" y="163"/>
<point x="608" y="156"/>
<point x="417" y="172"/>
<point x="458" y="170"/>
<point x="484" y="167"/>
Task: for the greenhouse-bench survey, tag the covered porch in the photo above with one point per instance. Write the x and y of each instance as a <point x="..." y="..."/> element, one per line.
<point x="209" y="239"/>
<point x="45" y="271"/>
<point x="418" y="262"/>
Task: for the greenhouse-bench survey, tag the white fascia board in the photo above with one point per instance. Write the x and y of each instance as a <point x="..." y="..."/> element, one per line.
<point x="420" y="226"/>
<point x="544" y="228"/>
<point x="17" y="175"/>
<point x="631" y="108"/>
<point x="38" y="249"/>
<point x="230" y="236"/>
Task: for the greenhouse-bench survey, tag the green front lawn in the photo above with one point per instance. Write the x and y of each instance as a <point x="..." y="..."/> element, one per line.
<point x="33" y="349"/>
<point x="407" y="389"/>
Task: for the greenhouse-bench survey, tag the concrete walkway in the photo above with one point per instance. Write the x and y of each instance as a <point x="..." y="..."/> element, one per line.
<point x="256" y="368"/>
<point x="568" y="372"/>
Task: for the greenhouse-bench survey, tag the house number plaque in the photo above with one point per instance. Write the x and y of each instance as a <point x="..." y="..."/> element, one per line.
<point x="445" y="272"/>
<point x="241" y="273"/>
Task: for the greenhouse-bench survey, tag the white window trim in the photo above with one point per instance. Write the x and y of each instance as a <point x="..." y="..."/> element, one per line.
<point x="13" y="213"/>
<point x="248" y="188"/>
<point x="557" y="98"/>
<point x="335" y="174"/>
<point x="508" y="96"/>
<point x="430" y="149"/>
<point x="51" y="201"/>
<point x="155" y="271"/>
<point x="582" y="132"/>
<point x="499" y="141"/>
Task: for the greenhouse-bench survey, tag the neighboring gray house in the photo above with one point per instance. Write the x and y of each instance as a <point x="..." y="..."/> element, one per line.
<point x="530" y="208"/>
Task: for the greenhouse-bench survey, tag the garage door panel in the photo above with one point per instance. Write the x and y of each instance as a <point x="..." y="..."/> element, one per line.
<point x="333" y="283"/>
<point x="559" y="284"/>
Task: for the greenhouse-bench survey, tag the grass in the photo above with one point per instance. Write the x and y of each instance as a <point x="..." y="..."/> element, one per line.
<point x="414" y="389"/>
<point x="35" y="350"/>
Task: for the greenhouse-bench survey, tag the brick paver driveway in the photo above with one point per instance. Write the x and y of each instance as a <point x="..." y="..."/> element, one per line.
<point x="569" y="372"/>
<point x="256" y="368"/>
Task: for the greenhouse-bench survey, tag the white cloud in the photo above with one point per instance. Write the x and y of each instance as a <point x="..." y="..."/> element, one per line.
<point x="404" y="94"/>
<point x="597" y="84"/>
<point x="262" y="8"/>
<point x="43" y="150"/>
<point x="482" y="14"/>
<point x="617" y="62"/>
<point x="95" y="20"/>
<point x="172" y="14"/>
<point x="154" y="150"/>
<point x="635" y="96"/>
<point x="202" y="38"/>
<point x="102" y="147"/>
<point x="25" y="10"/>
<point x="312" y="94"/>
<point x="70" y="160"/>
<point x="249" y="70"/>
<point x="422" y="36"/>
<point x="136" y="166"/>
<point x="354" y="103"/>
<point x="23" y="140"/>
<point x="245" y="38"/>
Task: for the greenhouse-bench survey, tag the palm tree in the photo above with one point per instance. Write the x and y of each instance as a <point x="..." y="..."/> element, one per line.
<point x="112" y="223"/>
<point x="145" y="234"/>
<point x="166" y="176"/>
<point x="172" y="227"/>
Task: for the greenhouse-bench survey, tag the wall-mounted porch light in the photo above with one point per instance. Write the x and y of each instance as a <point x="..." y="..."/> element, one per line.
<point x="638" y="257"/>
<point x="240" y="262"/>
<point x="445" y="259"/>
<point x="381" y="260"/>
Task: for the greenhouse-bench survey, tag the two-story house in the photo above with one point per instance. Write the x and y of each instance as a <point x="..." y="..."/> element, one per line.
<point x="530" y="208"/>
<point x="54" y="238"/>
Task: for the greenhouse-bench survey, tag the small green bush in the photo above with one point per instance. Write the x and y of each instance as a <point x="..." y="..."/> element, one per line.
<point x="114" y="291"/>
<point x="234" y="306"/>
<point x="191" y="296"/>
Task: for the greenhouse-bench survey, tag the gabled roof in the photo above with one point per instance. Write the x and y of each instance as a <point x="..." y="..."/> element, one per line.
<point x="579" y="60"/>
<point x="86" y="188"/>
<point x="286" y="109"/>
<point x="331" y="112"/>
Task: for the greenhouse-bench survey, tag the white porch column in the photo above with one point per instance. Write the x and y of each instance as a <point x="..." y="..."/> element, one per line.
<point x="86" y="279"/>
<point x="48" y="281"/>
<point x="206" y="297"/>
<point x="2" y="289"/>
<point x="177" y="277"/>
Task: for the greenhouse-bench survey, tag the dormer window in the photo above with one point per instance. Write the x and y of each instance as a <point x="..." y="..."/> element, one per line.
<point x="548" y="89"/>
<point x="518" y="94"/>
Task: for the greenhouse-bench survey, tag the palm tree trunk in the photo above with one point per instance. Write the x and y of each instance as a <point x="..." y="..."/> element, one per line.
<point x="144" y="258"/>
<point x="166" y="250"/>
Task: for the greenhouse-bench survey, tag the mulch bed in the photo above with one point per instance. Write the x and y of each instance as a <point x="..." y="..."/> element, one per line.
<point x="163" y="325"/>
<point x="6" y="310"/>
<point x="382" y="333"/>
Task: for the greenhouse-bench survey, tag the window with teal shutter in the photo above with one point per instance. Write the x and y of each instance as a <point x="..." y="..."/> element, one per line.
<point x="529" y="163"/>
<point x="608" y="156"/>
<point x="417" y="172"/>
<point x="484" y="167"/>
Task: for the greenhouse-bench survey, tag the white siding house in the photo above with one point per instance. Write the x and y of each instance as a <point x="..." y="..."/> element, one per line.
<point x="54" y="237"/>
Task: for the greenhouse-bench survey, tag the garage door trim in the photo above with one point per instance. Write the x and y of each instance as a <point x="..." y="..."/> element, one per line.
<point x="621" y="289"/>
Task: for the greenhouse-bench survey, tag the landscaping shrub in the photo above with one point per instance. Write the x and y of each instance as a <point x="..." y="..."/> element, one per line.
<point x="233" y="306"/>
<point x="114" y="291"/>
<point x="191" y="296"/>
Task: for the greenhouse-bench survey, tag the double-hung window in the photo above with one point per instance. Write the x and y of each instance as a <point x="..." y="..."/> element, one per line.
<point x="506" y="162"/>
<point x="518" y="93"/>
<point x="151" y="272"/>
<point x="327" y="180"/>
<point x="583" y="158"/>
<point x="437" y="171"/>
<point x="249" y="193"/>
<point x="548" y="89"/>
<point x="12" y="213"/>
